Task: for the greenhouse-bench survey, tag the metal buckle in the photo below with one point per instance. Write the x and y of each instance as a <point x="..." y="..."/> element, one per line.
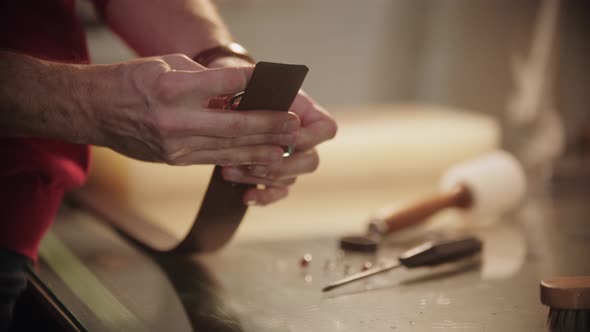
<point x="231" y="103"/>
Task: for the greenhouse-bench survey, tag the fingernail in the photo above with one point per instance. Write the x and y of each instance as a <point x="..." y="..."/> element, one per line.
<point x="291" y="125"/>
<point x="259" y="170"/>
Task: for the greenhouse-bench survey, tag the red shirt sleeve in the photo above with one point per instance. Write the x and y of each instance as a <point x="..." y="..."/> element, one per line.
<point x="35" y="173"/>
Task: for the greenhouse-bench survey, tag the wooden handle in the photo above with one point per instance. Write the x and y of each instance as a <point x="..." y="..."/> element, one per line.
<point x="418" y="212"/>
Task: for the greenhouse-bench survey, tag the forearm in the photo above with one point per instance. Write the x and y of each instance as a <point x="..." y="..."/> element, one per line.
<point x="167" y="26"/>
<point x="47" y="99"/>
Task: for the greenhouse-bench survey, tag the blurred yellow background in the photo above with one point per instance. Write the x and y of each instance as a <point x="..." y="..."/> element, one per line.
<point x="415" y="87"/>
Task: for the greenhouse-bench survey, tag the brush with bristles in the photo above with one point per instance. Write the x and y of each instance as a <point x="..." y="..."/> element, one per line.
<point x="568" y="299"/>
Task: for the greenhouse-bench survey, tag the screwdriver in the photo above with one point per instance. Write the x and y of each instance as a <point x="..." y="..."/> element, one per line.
<point x="430" y="253"/>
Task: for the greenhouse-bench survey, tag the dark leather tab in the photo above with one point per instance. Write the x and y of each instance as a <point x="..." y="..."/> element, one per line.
<point x="273" y="86"/>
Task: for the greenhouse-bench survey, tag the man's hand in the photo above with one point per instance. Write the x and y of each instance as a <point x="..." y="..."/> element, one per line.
<point x="317" y="126"/>
<point x="159" y="113"/>
<point x="195" y="26"/>
<point x="155" y="109"/>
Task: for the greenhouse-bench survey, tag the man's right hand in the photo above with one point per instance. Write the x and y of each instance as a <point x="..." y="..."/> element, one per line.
<point x="155" y="109"/>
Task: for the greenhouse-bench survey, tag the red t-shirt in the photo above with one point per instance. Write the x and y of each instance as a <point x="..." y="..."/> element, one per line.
<point x="34" y="172"/>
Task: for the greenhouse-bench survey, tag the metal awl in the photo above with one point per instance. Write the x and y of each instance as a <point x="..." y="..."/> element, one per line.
<point x="427" y="254"/>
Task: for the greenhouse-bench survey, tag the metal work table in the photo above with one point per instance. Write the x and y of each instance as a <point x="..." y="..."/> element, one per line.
<point x="109" y="285"/>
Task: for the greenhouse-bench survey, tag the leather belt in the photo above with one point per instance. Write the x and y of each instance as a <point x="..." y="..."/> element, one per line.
<point x="273" y="86"/>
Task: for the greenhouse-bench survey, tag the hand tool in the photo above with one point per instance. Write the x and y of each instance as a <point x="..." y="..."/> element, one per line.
<point x="427" y="254"/>
<point x="489" y="185"/>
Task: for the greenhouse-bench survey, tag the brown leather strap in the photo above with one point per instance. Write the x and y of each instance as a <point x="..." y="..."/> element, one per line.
<point x="273" y="86"/>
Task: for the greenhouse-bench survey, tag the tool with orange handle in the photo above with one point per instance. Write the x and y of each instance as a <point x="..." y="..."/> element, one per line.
<point x="488" y="186"/>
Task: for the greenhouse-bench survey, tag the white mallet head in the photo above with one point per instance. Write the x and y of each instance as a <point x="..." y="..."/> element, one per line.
<point x="496" y="181"/>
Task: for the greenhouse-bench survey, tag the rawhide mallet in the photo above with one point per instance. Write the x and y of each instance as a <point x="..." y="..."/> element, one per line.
<point x="489" y="185"/>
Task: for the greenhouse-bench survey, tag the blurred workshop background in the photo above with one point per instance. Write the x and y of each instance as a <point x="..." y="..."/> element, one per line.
<point x="415" y="86"/>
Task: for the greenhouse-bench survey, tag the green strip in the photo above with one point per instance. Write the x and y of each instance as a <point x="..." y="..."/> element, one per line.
<point x="86" y="286"/>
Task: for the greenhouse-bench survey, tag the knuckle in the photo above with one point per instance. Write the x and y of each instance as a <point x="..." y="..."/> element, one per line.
<point x="168" y="155"/>
<point x="182" y="60"/>
<point x="145" y="73"/>
<point x="166" y="88"/>
<point x="235" y="126"/>
<point x="174" y="152"/>
<point x="159" y="63"/>
<point x="234" y="80"/>
<point x="169" y="159"/>
<point x="260" y="154"/>
<point x="176" y="56"/>
<point x="154" y="67"/>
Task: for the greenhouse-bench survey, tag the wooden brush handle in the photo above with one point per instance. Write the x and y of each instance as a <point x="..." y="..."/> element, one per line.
<point x="566" y="292"/>
<point x="419" y="211"/>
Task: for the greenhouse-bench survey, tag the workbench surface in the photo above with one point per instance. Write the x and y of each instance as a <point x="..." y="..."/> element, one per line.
<point x="109" y="285"/>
